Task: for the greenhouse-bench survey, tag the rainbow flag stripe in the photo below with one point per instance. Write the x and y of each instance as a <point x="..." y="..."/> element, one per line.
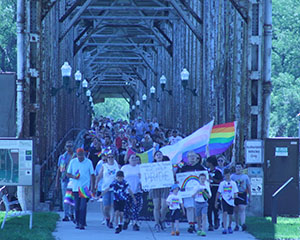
<point x="77" y="174"/>
<point x="221" y="138"/>
<point x="188" y="179"/>
<point x="69" y="198"/>
<point x="148" y="157"/>
<point x="99" y="154"/>
<point x="84" y="192"/>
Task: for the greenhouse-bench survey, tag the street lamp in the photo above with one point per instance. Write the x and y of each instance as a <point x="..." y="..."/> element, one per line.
<point x="133" y="107"/>
<point x="144" y="98"/>
<point x="90" y="99"/>
<point x="78" y="78"/>
<point x="88" y="93"/>
<point x="163" y="82"/>
<point x="85" y="84"/>
<point x="66" y="71"/>
<point x="137" y="103"/>
<point x="185" y="75"/>
<point x="152" y="91"/>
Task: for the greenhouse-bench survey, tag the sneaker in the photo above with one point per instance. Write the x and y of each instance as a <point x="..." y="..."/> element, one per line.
<point x="125" y="225"/>
<point x="191" y="228"/>
<point x="210" y="228"/>
<point x="107" y="222"/>
<point x="230" y="230"/>
<point x="136" y="227"/>
<point x="110" y="225"/>
<point x="162" y="225"/>
<point x="66" y="219"/>
<point x="81" y="227"/>
<point x="224" y="231"/>
<point x="177" y="233"/>
<point x="157" y="228"/>
<point x="199" y="233"/>
<point x="236" y="228"/>
<point x="217" y="225"/>
<point x="203" y="234"/>
<point x="118" y="230"/>
<point x="244" y="227"/>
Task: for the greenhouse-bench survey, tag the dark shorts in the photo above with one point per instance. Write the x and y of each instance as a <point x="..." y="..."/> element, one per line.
<point x="226" y="207"/>
<point x="119" y="205"/>
<point x="175" y="215"/>
<point x="241" y="199"/>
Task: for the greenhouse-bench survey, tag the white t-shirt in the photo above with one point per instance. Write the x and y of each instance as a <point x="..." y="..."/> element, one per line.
<point x="97" y="170"/>
<point x="174" y="140"/>
<point x="174" y="201"/>
<point x="85" y="169"/>
<point x="109" y="174"/>
<point x="199" y="190"/>
<point x="132" y="176"/>
<point x="227" y="191"/>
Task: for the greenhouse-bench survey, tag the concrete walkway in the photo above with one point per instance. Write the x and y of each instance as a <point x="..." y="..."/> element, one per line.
<point x="95" y="231"/>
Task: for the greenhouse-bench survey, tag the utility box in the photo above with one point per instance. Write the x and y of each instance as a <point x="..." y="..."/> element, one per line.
<point x="7" y="104"/>
<point x="281" y="163"/>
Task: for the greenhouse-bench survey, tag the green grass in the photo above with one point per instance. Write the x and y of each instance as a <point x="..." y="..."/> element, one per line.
<point x="264" y="229"/>
<point x="18" y="228"/>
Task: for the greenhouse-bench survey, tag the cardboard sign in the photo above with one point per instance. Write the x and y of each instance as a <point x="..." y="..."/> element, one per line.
<point x="188" y="181"/>
<point x="157" y="175"/>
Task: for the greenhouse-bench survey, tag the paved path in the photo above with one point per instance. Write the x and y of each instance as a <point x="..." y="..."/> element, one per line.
<point x="96" y="231"/>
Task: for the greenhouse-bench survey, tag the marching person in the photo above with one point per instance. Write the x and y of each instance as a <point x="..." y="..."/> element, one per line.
<point x="243" y="184"/>
<point x="228" y="191"/>
<point x="82" y="173"/>
<point x="132" y="209"/>
<point x="61" y="176"/>
<point x="174" y="202"/>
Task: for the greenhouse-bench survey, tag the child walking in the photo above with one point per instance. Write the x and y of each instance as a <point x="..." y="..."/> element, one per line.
<point x="228" y="190"/>
<point x="201" y="195"/>
<point x="119" y="188"/>
<point x="174" y="201"/>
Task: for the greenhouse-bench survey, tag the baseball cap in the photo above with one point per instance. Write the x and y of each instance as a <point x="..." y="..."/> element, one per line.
<point x="80" y="150"/>
<point x="174" y="186"/>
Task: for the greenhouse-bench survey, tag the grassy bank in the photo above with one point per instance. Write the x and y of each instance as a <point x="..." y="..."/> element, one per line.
<point x="264" y="229"/>
<point x="18" y="228"/>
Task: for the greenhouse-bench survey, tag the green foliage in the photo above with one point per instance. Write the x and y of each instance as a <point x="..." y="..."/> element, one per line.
<point x="285" y="100"/>
<point x="117" y="108"/>
<point x="8" y="35"/>
<point x="18" y="228"/>
<point x="264" y="229"/>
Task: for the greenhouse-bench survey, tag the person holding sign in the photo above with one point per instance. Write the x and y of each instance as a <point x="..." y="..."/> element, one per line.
<point x="193" y="164"/>
<point x="228" y="190"/>
<point x="201" y="195"/>
<point x="159" y="197"/>
<point x="174" y="202"/>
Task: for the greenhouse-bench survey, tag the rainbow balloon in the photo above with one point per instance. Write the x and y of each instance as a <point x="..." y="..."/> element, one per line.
<point x="85" y="192"/>
<point x="188" y="179"/>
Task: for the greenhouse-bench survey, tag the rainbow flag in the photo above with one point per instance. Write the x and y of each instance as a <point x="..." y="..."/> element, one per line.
<point x="148" y="157"/>
<point x="221" y="138"/>
<point x="99" y="154"/>
<point x="69" y="198"/>
<point x="77" y="174"/>
<point x="85" y="192"/>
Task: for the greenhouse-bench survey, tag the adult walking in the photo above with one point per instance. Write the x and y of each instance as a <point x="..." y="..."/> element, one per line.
<point x="108" y="173"/>
<point x="215" y="177"/>
<point x="132" y="176"/>
<point x="243" y="184"/>
<point x="159" y="197"/>
<point x="82" y="173"/>
<point x="194" y="163"/>
<point x="61" y="177"/>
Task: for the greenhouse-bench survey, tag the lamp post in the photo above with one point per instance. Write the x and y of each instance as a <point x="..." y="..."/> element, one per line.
<point x="133" y="107"/>
<point x="78" y="78"/>
<point x="163" y="81"/>
<point x="144" y="98"/>
<point x="185" y="75"/>
<point x="90" y="99"/>
<point x="137" y="103"/>
<point x="66" y="71"/>
<point x="88" y="93"/>
<point x="152" y="92"/>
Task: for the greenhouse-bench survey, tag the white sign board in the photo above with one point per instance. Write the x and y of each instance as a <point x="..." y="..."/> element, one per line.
<point x="188" y="181"/>
<point x="254" y="151"/>
<point x="157" y="175"/>
<point x="16" y="162"/>
<point x="256" y="186"/>
<point x="281" y="152"/>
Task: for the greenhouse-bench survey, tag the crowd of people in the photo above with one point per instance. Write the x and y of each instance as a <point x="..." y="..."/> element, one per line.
<point x="106" y="168"/>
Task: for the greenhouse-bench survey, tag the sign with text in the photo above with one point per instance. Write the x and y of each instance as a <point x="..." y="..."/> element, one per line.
<point x="188" y="181"/>
<point x="256" y="186"/>
<point x="254" y="151"/>
<point x="16" y="162"/>
<point x="157" y="175"/>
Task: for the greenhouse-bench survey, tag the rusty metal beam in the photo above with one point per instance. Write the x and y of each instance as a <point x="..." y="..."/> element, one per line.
<point x="186" y="19"/>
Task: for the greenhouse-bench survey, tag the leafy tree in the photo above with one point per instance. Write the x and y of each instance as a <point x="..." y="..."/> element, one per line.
<point x="8" y="35"/>
<point x="117" y="108"/>
<point x="285" y="97"/>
